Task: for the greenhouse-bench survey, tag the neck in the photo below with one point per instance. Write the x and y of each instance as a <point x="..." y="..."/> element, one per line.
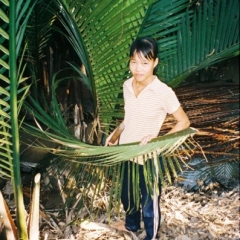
<point x="144" y="83"/>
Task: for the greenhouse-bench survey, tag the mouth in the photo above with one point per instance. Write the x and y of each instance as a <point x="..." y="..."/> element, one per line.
<point x="138" y="75"/>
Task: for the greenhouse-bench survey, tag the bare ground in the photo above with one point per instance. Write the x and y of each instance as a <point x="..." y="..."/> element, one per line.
<point x="185" y="215"/>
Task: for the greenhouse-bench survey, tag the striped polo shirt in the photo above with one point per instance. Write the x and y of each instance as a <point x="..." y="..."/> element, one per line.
<point x="144" y="114"/>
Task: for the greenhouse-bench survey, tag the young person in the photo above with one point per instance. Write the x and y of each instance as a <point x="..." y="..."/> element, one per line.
<point x="147" y="101"/>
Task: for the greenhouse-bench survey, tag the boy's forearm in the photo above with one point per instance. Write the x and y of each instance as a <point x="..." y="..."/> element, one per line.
<point x="116" y="134"/>
<point x="179" y="126"/>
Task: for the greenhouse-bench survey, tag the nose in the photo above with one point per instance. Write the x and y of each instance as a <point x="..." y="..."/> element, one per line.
<point x="137" y="67"/>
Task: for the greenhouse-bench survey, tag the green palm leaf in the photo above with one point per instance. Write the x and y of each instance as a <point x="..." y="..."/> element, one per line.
<point x="98" y="165"/>
<point x="14" y="17"/>
<point x="199" y="51"/>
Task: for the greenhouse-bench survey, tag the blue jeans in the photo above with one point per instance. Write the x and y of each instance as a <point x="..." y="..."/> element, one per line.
<point x="133" y="214"/>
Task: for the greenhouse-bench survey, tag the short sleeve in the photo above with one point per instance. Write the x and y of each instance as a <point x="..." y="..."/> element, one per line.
<point x="170" y="100"/>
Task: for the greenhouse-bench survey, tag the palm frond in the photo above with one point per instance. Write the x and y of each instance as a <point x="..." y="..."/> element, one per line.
<point x="194" y="38"/>
<point x="37" y="35"/>
<point x="12" y="94"/>
<point x="224" y="171"/>
<point x="227" y="172"/>
<point x="38" y="31"/>
<point x="7" y="101"/>
<point x="5" y="133"/>
<point x="91" y="167"/>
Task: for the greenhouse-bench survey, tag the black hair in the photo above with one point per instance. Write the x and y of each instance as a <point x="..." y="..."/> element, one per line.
<point x="146" y="46"/>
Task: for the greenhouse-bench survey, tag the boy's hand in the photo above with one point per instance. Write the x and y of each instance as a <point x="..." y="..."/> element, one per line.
<point x="146" y="139"/>
<point x="108" y="143"/>
<point x="114" y="136"/>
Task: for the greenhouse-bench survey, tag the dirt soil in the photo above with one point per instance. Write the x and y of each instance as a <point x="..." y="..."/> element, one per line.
<point x="185" y="216"/>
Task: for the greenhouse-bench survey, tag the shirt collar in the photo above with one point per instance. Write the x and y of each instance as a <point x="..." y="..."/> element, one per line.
<point x="151" y="86"/>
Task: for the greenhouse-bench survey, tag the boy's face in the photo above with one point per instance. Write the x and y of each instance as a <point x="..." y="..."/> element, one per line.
<point x="142" y="68"/>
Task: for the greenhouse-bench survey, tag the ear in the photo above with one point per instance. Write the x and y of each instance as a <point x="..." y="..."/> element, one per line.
<point x="156" y="62"/>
